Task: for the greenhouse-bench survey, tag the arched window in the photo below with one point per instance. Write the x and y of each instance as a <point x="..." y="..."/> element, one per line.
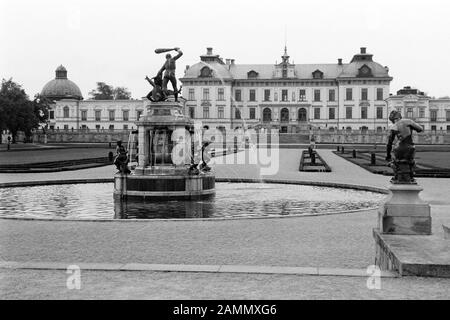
<point x="302" y="114"/>
<point x="267" y="115"/>
<point x="205" y="72"/>
<point x="331" y="129"/>
<point x="284" y="115"/>
<point x="317" y="74"/>
<point x="66" y="112"/>
<point x="348" y="129"/>
<point x="364" y="130"/>
<point x="252" y="74"/>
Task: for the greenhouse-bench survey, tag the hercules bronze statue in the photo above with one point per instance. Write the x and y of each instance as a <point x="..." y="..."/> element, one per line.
<point x="160" y="92"/>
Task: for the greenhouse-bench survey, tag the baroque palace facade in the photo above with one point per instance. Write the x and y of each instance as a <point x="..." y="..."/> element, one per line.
<point x="284" y="96"/>
<point x="290" y="97"/>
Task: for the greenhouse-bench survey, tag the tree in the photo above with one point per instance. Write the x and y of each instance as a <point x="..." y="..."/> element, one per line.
<point x="17" y="112"/>
<point x="121" y="93"/>
<point x="103" y="92"/>
<point x="107" y="92"/>
<point x="41" y="106"/>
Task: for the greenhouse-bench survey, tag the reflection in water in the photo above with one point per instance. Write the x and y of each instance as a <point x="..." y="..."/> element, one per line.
<point x="96" y="201"/>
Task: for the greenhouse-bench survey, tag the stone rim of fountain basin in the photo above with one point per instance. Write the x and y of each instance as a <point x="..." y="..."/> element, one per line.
<point x="232" y="180"/>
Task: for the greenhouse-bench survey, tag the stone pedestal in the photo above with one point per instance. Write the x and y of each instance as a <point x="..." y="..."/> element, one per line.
<point x="421" y="256"/>
<point x="405" y="213"/>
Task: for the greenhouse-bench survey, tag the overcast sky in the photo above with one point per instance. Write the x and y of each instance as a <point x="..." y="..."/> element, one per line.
<point x="114" y="41"/>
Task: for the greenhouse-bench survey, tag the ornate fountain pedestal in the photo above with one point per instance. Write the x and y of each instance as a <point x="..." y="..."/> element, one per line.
<point x="405" y="213"/>
<point x="165" y="158"/>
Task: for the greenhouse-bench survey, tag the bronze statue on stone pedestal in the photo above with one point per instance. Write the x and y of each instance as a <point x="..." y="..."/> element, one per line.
<point x="159" y="83"/>
<point x="403" y="162"/>
<point x="160" y="91"/>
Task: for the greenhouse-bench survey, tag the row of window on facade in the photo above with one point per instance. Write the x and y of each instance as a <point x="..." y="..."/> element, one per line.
<point x="97" y="128"/>
<point x="318" y="114"/>
<point x="111" y="127"/>
<point x="98" y="114"/>
<point x="410" y="114"/>
<point x="275" y="83"/>
<point x="284" y="113"/>
<point x="364" y="94"/>
<point x="363" y="129"/>
<point x="207" y="72"/>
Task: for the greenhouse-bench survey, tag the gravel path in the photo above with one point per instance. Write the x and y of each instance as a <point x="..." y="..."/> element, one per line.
<point x="328" y="241"/>
<point x="28" y="284"/>
<point x="332" y="241"/>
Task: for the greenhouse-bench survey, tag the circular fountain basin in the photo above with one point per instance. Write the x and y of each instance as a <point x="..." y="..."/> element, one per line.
<point x="95" y="201"/>
<point x="164" y="187"/>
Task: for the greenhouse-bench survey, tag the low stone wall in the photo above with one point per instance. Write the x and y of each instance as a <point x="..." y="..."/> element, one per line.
<point x="284" y="138"/>
<point x="110" y="136"/>
<point x="420" y="256"/>
<point x="351" y="138"/>
<point x="369" y="138"/>
<point x="68" y="136"/>
<point x="384" y="257"/>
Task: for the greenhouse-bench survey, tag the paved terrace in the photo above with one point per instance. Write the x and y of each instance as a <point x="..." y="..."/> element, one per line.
<point x="342" y="242"/>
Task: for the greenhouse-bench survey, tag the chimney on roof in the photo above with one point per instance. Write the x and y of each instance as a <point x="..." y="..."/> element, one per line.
<point x="363" y="50"/>
<point x="187" y="67"/>
<point x="227" y="61"/>
<point x="209" y="51"/>
<point x="340" y="61"/>
<point x="232" y="61"/>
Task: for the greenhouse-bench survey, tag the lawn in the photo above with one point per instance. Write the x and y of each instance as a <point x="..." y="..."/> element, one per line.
<point x="50" y="155"/>
<point x="434" y="159"/>
<point x="429" y="163"/>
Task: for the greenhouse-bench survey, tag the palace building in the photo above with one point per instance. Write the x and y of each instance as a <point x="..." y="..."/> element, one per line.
<point x="432" y="114"/>
<point x="287" y="96"/>
<point x="284" y="96"/>
<point x="71" y="112"/>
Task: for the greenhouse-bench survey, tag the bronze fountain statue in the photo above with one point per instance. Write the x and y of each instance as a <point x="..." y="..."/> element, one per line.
<point x="121" y="160"/>
<point x="159" y="83"/>
<point x="403" y="162"/>
<point x="169" y="144"/>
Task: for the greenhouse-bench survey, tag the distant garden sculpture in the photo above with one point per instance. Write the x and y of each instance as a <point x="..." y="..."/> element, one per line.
<point x="403" y="162"/>
<point x="121" y="160"/>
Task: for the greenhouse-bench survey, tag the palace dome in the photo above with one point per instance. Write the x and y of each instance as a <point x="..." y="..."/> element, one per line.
<point x="61" y="87"/>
